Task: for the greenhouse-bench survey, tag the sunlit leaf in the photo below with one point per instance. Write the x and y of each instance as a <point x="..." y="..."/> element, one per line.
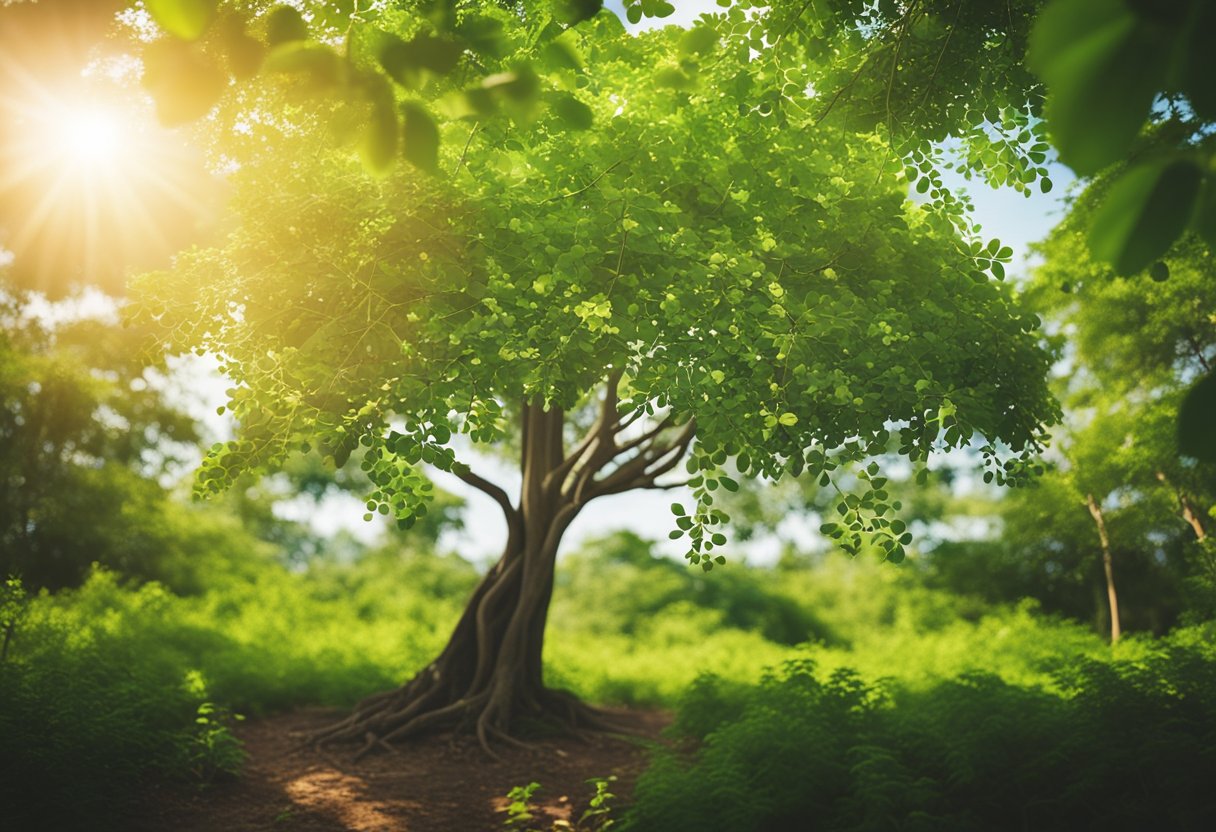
<point x="421" y="138"/>
<point x="186" y="19"/>
<point x="184" y="83"/>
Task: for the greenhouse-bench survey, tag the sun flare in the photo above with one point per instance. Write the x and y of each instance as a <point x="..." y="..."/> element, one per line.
<point x="92" y="136"/>
<point x="91" y="187"/>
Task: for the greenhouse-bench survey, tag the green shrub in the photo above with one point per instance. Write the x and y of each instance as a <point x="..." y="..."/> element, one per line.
<point x="85" y="714"/>
<point x="1118" y="745"/>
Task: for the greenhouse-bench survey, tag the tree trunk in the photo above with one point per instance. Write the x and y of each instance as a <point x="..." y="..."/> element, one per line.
<point x="489" y="677"/>
<point x="1188" y="510"/>
<point x="1112" y="599"/>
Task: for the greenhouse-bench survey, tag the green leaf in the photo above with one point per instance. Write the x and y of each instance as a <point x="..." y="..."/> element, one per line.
<point x="572" y="12"/>
<point x="1205" y="216"/>
<point x="519" y="85"/>
<point x="379" y="146"/>
<point x="284" y="25"/>
<point x="1199" y="65"/>
<point x="184" y="83"/>
<point x="729" y="484"/>
<point x="788" y="419"/>
<point x="1197" y="420"/>
<point x="484" y="34"/>
<point x="573" y="112"/>
<point x="421" y="138"/>
<point x="699" y="39"/>
<point x="1102" y="71"/>
<point x="678" y="510"/>
<point x="405" y="61"/>
<point x="1144" y="212"/>
<point x="321" y="64"/>
<point x="186" y="19"/>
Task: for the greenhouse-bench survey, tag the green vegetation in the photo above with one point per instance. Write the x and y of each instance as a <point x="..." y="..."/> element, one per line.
<point x="105" y="684"/>
<point x="1123" y="745"/>
<point x="731" y="250"/>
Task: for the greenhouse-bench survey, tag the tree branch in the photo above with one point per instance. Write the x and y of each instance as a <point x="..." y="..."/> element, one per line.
<point x="603" y="429"/>
<point x="466" y="474"/>
<point x="640" y="471"/>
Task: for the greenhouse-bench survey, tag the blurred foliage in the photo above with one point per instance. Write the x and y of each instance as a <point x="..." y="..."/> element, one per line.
<point x="85" y="432"/>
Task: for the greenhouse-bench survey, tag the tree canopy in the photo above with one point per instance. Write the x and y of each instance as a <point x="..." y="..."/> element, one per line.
<point x="728" y="255"/>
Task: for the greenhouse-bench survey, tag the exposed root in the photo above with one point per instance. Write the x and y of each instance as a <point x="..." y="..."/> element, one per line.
<point x="379" y="722"/>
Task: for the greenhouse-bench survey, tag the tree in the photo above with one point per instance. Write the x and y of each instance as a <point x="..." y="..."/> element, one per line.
<point x="712" y="273"/>
<point x="84" y="434"/>
<point x="1138" y="342"/>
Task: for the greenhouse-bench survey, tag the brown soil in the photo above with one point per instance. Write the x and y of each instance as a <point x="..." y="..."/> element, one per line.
<point x="433" y="784"/>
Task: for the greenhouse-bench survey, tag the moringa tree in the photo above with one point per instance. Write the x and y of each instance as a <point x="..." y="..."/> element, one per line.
<point x="713" y="279"/>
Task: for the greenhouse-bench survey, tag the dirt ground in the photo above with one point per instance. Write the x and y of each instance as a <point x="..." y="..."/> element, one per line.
<point x="434" y="784"/>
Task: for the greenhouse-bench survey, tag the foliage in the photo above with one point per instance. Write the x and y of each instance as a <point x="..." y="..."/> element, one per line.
<point x="595" y="818"/>
<point x="1144" y="124"/>
<point x="1136" y="343"/>
<point x="540" y="260"/>
<point x="89" y="709"/>
<point x="85" y="431"/>
<point x="519" y="809"/>
<point x="104" y="684"/>
<point x="1121" y="745"/>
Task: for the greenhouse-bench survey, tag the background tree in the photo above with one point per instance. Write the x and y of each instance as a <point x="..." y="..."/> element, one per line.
<point x="649" y="274"/>
<point x="1138" y="343"/>
<point x="86" y="435"/>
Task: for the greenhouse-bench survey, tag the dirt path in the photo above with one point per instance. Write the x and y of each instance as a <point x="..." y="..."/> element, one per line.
<point x="433" y="785"/>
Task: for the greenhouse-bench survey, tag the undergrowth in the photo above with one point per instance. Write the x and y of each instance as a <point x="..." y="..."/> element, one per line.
<point x="901" y="704"/>
<point x="1116" y="745"/>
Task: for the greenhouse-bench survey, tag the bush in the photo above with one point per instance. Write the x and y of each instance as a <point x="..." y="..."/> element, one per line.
<point x="86" y="713"/>
<point x="106" y="684"/>
<point x="1118" y="745"/>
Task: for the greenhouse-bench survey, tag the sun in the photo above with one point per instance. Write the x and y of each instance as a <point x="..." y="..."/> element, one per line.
<point x="91" y="136"/>
<point x="91" y="187"/>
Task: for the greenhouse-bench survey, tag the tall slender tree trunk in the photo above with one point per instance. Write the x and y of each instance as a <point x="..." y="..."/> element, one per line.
<point x="1189" y="514"/>
<point x="489" y="677"/>
<point x="1112" y="597"/>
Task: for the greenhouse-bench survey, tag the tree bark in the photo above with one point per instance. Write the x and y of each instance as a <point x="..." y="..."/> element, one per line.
<point x="489" y="677"/>
<point x="1111" y="597"/>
